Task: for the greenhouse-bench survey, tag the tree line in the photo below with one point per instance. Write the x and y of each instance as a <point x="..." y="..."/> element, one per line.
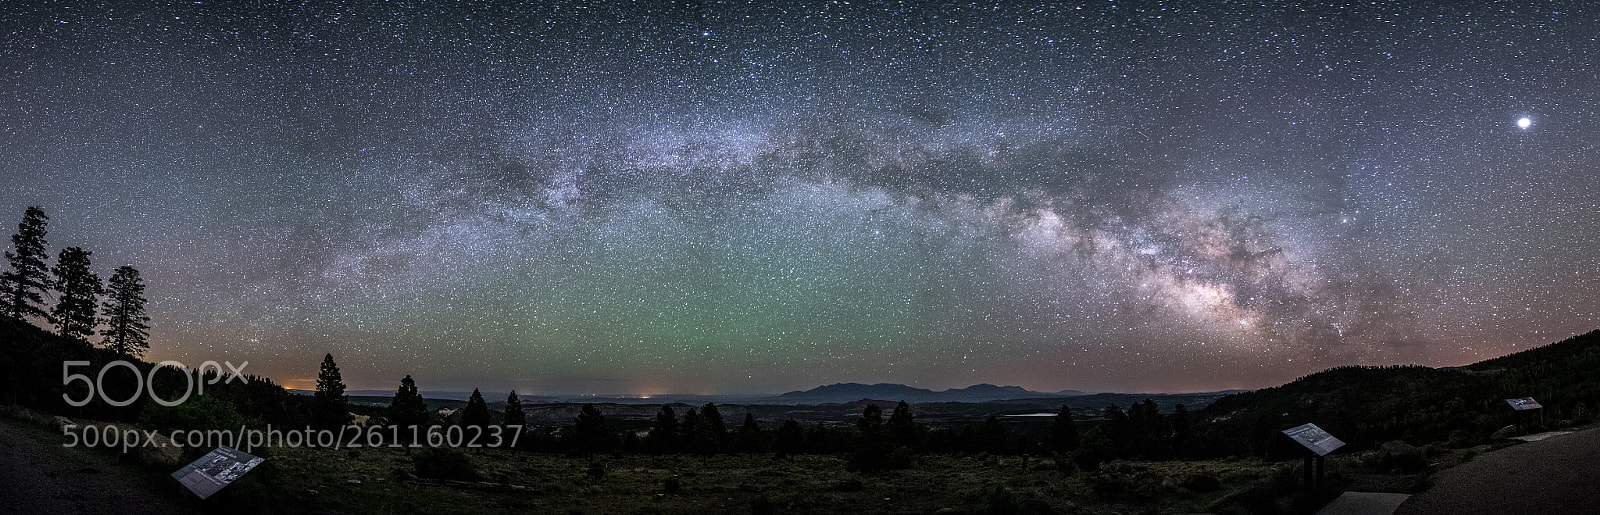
<point x="78" y="308"/>
<point x="874" y="442"/>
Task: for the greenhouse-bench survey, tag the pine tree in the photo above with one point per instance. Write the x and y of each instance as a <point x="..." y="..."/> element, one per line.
<point x="1063" y="432"/>
<point x="712" y="431"/>
<point x="1180" y="429"/>
<point x="329" y="406"/>
<point x="591" y="432"/>
<point x="690" y="426"/>
<point x="992" y="436"/>
<point x="902" y="429"/>
<point x="750" y="435"/>
<point x="1117" y="429"/>
<point x="871" y="421"/>
<point x="408" y="410"/>
<point x="25" y="283"/>
<point x="477" y="412"/>
<point x="664" y="436"/>
<point x="126" y="323"/>
<point x="74" y="314"/>
<point x="514" y="414"/>
<point x="790" y="439"/>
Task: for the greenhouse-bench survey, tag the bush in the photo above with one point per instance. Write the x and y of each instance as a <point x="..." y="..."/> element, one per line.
<point x="672" y="485"/>
<point x="444" y="463"/>
<point x="199" y="412"/>
<point x="998" y="499"/>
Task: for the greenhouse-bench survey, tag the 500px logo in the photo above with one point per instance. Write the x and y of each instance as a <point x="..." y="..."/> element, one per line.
<point x="141" y="381"/>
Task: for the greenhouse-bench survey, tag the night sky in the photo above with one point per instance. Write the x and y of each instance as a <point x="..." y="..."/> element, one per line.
<point x="718" y="198"/>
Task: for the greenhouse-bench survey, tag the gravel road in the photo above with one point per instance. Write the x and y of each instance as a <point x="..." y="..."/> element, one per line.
<point x="37" y="479"/>
<point x="1557" y="475"/>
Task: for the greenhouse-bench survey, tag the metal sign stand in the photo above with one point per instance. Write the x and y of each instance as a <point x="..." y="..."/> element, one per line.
<point x="1318" y="444"/>
<point x="1527" y="409"/>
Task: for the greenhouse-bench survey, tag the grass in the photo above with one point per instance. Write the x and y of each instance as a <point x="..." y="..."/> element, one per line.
<point x="383" y="481"/>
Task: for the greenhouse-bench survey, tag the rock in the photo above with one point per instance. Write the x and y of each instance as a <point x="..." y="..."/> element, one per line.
<point x="61" y="422"/>
<point x="1398" y="455"/>
<point x="1461" y="439"/>
<point x="1201" y="483"/>
<point x="159" y="451"/>
<point x="1504" y="433"/>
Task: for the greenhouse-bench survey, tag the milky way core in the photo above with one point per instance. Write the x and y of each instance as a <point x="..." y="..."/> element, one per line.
<point x="721" y="198"/>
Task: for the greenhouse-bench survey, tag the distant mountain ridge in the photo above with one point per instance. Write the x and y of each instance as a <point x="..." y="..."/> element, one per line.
<point x="839" y="393"/>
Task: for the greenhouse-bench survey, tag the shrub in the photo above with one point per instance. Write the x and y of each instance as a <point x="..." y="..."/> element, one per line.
<point x="672" y="485"/>
<point x="444" y="463"/>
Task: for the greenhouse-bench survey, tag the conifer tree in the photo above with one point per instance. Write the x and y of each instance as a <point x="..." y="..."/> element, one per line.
<point x="902" y="429"/>
<point x="750" y="435"/>
<point x="992" y="436"/>
<point x="790" y="439"/>
<point x="514" y="414"/>
<point x="477" y="411"/>
<point x="1180" y="430"/>
<point x="25" y="282"/>
<point x="591" y="433"/>
<point x="74" y="313"/>
<point x="408" y="410"/>
<point x="126" y="323"/>
<point x="330" y="408"/>
<point x="1063" y="432"/>
<point x="664" y="437"/>
<point x="712" y="431"/>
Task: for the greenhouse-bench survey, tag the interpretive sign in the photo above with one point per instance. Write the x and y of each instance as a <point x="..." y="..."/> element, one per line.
<point x="1524" y="404"/>
<point x="1314" y="439"/>
<point x="215" y="470"/>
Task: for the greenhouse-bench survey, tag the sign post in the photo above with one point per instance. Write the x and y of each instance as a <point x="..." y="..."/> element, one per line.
<point x="1526" y="408"/>
<point x="1318" y="443"/>
<point x="215" y="470"/>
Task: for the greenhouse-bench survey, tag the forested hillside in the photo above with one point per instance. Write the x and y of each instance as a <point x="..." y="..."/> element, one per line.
<point x="1366" y="406"/>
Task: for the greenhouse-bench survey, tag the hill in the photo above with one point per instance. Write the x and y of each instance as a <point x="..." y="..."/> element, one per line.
<point x="1366" y="406"/>
<point x="840" y="393"/>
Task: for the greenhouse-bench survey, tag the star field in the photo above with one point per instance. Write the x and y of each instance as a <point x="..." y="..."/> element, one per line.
<point x="651" y="197"/>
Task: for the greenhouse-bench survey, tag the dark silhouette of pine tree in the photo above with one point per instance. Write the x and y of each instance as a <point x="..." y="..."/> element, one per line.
<point x="407" y="410"/>
<point x="992" y="436"/>
<point x="330" y="408"/>
<point x="1180" y="430"/>
<point x="750" y="435"/>
<point x="477" y="412"/>
<point x="408" y="407"/>
<point x="74" y="313"/>
<point x="872" y="452"/>
<point x="25" y="283"/>
<point x="871" y="422"/>
<point x="664" y="437"/>
<point x="902" y="429"/>
<point x="1063" y="432"/>
<point x="591" y="433"/>
<point x="1149" y="436"/>
<point x="127" y="326"/>
<point x="790" y="439"/>
<point x="711" y="433"/>
<point x="1116" y="430"/>
<point x="689" y="428"/>
<point x="514" y="413"/>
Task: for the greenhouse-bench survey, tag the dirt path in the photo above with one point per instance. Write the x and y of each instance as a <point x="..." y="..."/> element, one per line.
<point x="35" y="478"/>
<point x="1556" y="475"/>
